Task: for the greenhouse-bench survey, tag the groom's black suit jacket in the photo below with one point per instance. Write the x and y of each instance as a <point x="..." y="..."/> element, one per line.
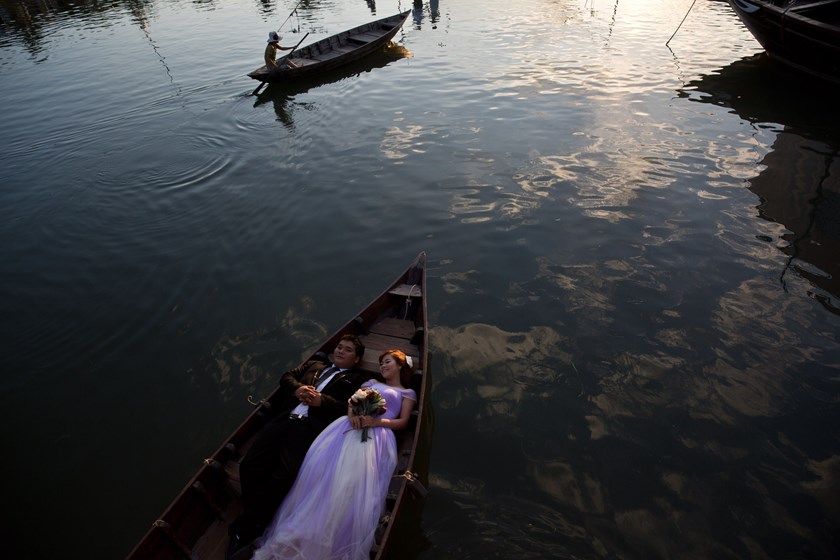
<point x="334" y="396"/>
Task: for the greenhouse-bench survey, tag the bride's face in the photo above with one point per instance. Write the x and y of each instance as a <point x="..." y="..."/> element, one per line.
<point x="389" y="367"/>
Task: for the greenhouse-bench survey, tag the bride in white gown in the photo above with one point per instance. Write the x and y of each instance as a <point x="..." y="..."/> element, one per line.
<point x="334" y="506"/>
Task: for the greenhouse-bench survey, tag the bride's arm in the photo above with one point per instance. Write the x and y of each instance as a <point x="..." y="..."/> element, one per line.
<point x="392" y="423"/>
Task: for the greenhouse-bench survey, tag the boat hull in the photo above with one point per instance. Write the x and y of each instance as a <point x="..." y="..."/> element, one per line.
<point x="334" y="51"/>
<point x="802" y="35"/>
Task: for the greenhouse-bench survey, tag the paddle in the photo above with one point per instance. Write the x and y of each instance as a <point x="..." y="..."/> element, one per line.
<point x="259" y="87"/>
<point x="296" y="46"/>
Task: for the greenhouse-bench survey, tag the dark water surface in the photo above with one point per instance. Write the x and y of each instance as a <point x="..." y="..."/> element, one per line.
<point x="634" y="249"/>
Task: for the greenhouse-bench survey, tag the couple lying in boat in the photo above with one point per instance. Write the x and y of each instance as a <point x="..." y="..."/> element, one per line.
<point x="326" y="457"/>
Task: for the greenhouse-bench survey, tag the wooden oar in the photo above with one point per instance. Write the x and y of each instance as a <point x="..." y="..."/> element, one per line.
<point x="259" y="87"/>
<point x="296" y="46"/>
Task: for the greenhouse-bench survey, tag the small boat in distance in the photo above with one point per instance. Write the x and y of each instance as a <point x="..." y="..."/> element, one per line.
<point x="803" y="34"/>
<point x="334" y="51"/>
<point x="195" y="525"/>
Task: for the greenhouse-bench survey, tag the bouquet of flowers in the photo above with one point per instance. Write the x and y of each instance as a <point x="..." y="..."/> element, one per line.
<point x="367" y="402"/>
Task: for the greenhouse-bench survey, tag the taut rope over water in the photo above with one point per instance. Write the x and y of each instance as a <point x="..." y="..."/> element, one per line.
<point x="680" y="25"/>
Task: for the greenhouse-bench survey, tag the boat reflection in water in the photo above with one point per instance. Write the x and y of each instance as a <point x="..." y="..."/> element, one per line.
<point x="283" y="95"/>
<point x="799" y="184"/>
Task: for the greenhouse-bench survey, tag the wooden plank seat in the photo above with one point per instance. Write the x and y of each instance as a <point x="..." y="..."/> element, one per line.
<point x="382" y="343"/>
<point x="303" y="61"/>
<point x="394" y="327"/>
<point x="375" y="344"/>
<point x="327" y="55"/>
<point x="407" y="290"/>
<point x="363" y="38"/>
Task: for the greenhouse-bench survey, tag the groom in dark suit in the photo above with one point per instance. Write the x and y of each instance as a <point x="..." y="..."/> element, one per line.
<point x="316" y="394"/>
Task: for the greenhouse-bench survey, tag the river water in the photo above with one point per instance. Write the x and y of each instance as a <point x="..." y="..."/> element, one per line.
<point x="633" y="247"/>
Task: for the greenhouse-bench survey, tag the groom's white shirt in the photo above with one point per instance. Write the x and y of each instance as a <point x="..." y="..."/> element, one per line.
<point x="303" y="409"/>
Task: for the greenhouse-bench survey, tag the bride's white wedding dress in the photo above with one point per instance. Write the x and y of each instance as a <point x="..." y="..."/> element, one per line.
<point x="334" y="506"/>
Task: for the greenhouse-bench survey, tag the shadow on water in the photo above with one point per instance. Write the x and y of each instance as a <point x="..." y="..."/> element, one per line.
<point x="282" y="95"/>
<point x="761" y="90"/>
<point x="799" y="184"/>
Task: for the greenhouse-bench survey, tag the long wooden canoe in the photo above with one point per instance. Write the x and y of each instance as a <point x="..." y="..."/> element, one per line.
<point x="195" y="525"/>
<point x="334" y="51"/>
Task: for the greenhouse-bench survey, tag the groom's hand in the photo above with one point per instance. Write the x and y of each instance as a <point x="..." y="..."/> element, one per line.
<point x="308" y="395"/>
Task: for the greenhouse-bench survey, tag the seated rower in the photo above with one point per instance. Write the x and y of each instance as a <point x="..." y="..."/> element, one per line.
<point x="271" y="53"/>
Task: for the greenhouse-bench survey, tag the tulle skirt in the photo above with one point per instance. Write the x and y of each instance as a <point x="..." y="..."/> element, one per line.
<point x="334" y="506"/>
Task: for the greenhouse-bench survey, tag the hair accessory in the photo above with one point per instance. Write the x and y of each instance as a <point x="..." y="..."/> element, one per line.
<point x="409" y="361"/>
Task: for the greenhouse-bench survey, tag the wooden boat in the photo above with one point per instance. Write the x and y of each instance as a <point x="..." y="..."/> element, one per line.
<point x="195" y="525"/>
<point x="334" y="51"/>
<point x="803" y="34"/>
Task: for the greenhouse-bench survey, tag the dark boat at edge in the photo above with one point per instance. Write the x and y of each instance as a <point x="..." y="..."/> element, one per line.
<point x="803" y="34"/>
